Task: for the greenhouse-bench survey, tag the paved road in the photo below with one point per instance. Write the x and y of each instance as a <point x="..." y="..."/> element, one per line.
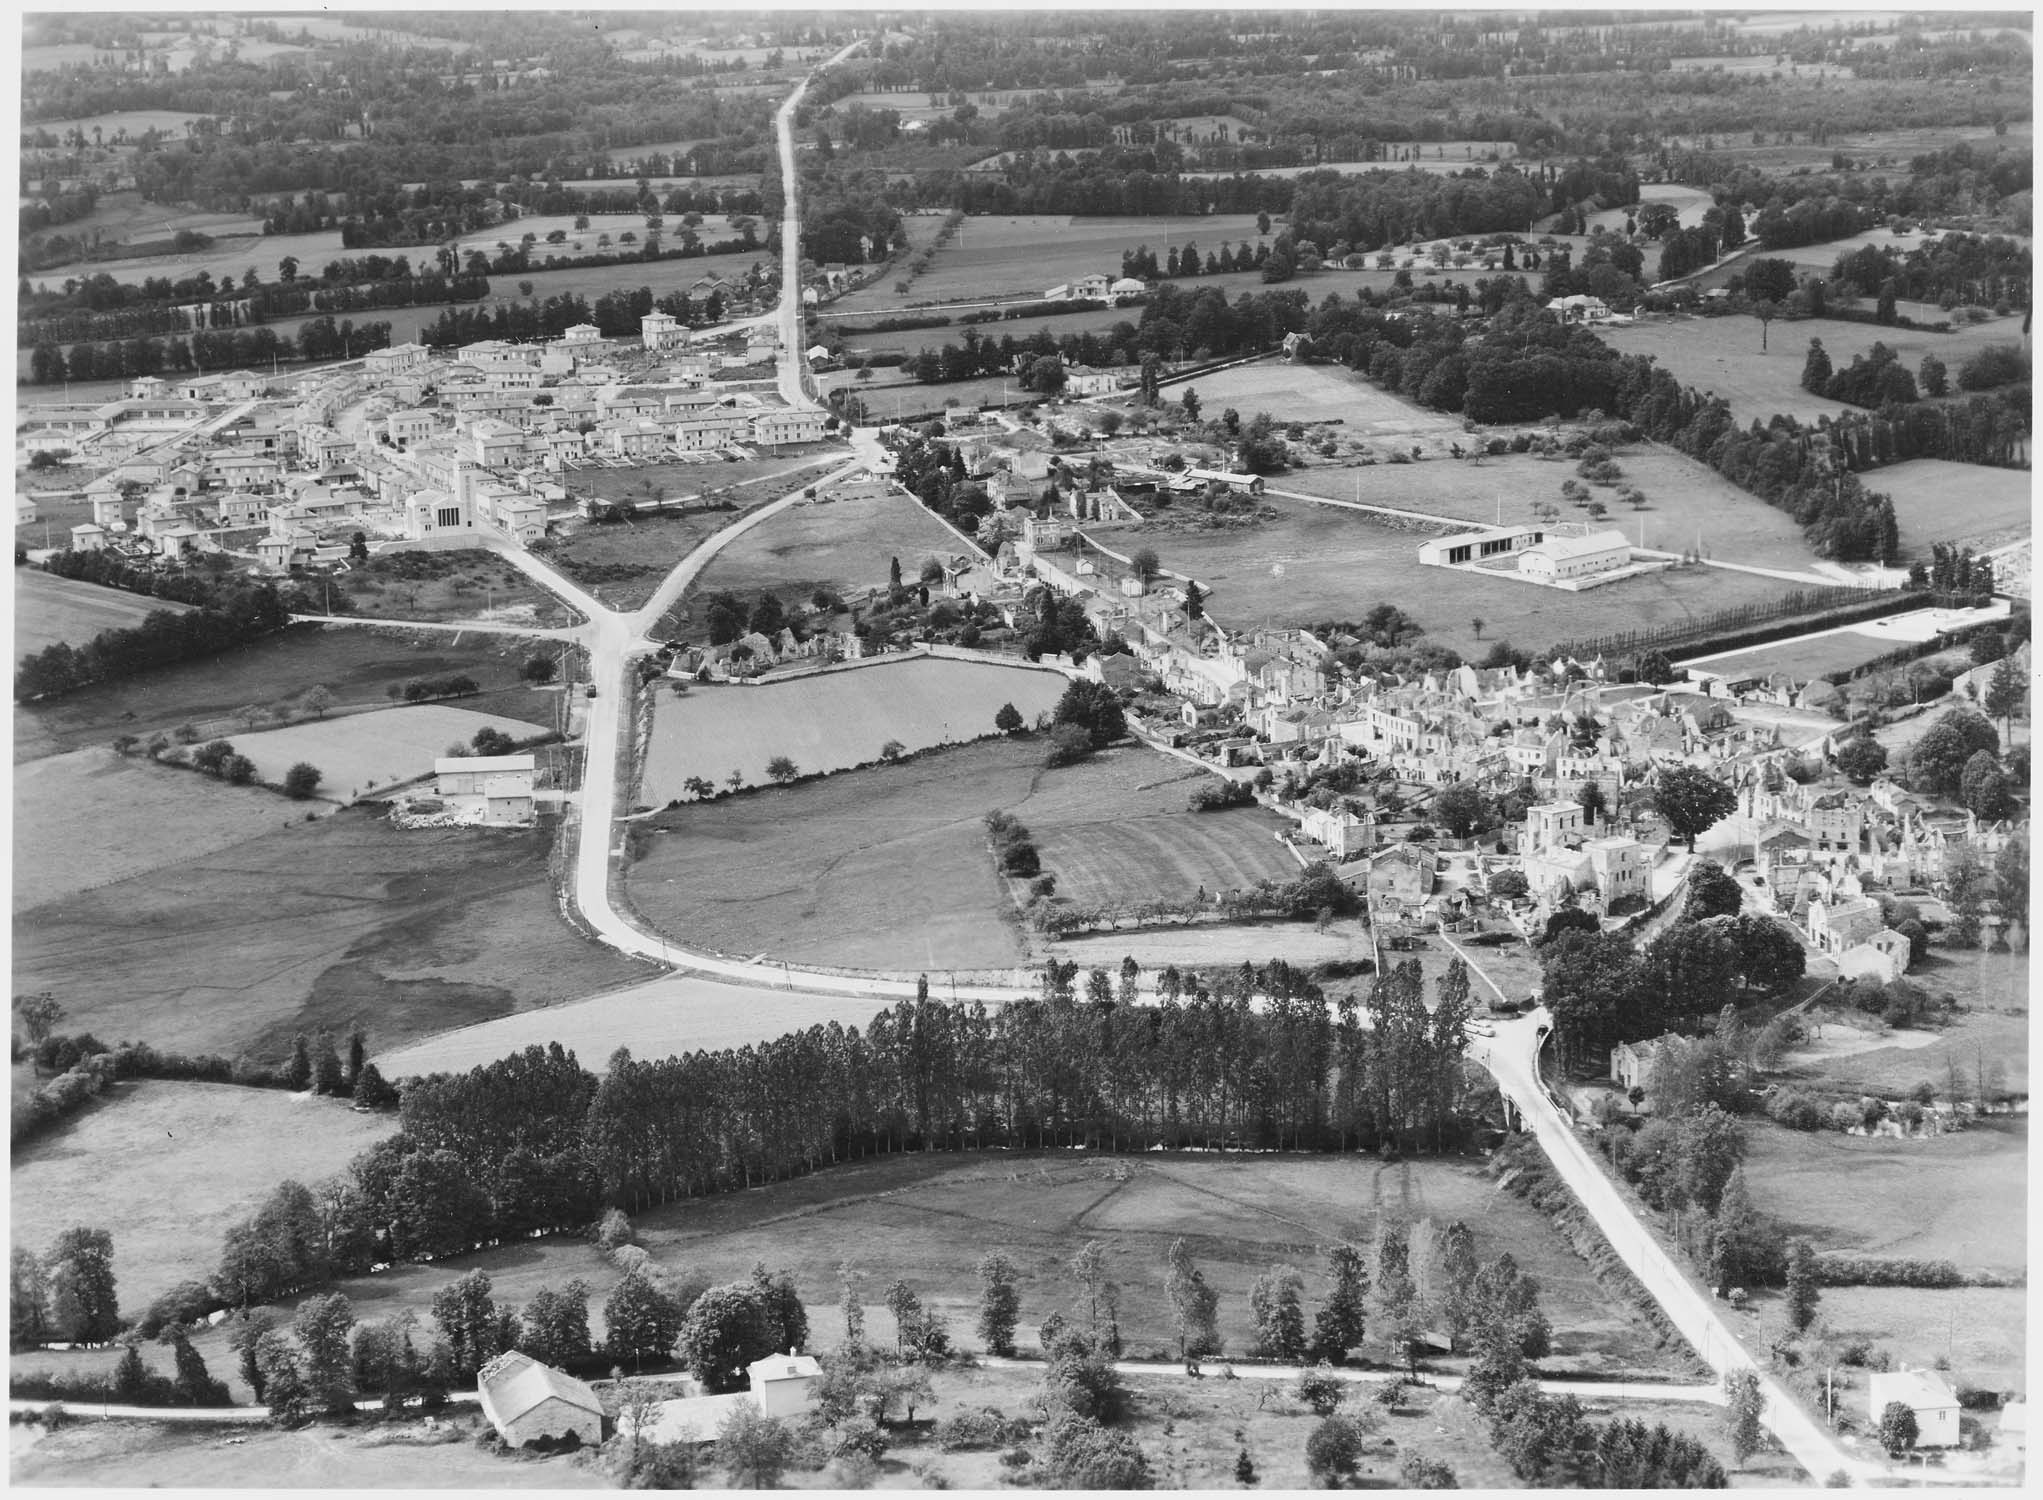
<point x="1512" y="1058"/>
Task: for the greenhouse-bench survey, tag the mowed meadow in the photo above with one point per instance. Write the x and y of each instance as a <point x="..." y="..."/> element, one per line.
<point x="831" y="720"/>
<point x="889" y="868"/>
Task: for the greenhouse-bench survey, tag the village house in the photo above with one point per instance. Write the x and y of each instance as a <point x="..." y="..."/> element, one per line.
<point x="1093" y="288"/>
<point x="1924" y="1392"/>
<point x="660" y="331"/>
<point x="787" y="425"/>
<point x="1631" y="1063"/>
<point x="1340" y="832"/>
<point x="382" y="365"/>
<point x="713" y="429"/>
<point x="1402" y="874"/>
<point x="528" y="1402"/>
<point x="1580" y="308"/>
<point x="1842" y="923"/>
<point x="1882" y="958"/>
<point x="409" y="426"/>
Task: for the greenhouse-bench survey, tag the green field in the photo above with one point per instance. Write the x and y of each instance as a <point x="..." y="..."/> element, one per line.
<point x="1800" y="660"/>
<point x="58" y="854"/>
<point x="1318" y="563"/>
<point x="1722" y="355"/>
<point x="170" y="1167"/>
<point x="1684" y="500"/>
<point x="841" y="545"/>
<point x="889" y="868"/>
<point x="1865" y="1195"/>
<point x="49" y="610"/>
<point x="360" y="752"/>
<point x="341" y="922"/>
<point x="831" y="721"/>
<point x="357" y="663"/>
<point x="1939" y="501"/>
<point x="1321" y="393"/>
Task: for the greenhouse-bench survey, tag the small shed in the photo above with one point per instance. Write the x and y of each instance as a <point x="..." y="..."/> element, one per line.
<point x="1924" y="1392"/>
<point x="528" y="1402"/>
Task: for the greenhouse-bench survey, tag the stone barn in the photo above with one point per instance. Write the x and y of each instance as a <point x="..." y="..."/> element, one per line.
<point x="528" y="1402"/>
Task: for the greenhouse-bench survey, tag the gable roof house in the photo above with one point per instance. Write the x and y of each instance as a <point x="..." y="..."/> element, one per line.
<point x="528" y="1402"/>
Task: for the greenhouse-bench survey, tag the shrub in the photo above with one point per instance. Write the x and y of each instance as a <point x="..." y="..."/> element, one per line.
<point x="302" y="780"/>
<point x="1795" y="1110"/>
<point x="1880" y="1270"/>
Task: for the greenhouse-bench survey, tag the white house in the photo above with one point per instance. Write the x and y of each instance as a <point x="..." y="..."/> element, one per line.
<point x="88" y="538"/>
<point x="1924" y="1392"/>
<point x="787" y="425"/>
<point x="1883" y="957"/>
<point x="529" y="1402"/>
<point x="658" y="331"/>
<point x="1580" y="308"/>
<point x="1574" y="556"/>
<point x="1844" y="923"/>
<point x="781" y="1385"/>
<point x="498" y="787"/>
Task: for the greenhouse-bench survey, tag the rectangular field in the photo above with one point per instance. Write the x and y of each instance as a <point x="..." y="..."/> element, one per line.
<point x="828" y="722"/>
<point x="841" y="545"/>
<point x="1867" y="1195"/>
<point x="92" y="817"/>
<point x="889" y="868"/>
<point x="1982" y="1331"/>
<point x="340" y="922"/>
<point x="1317" y="563"/>
<point x="1936" y="500"/>
<point x="49" y="610"/>
<point x="469" y="584"/>
<point x="360" y="752"/>
<point x="1319" y="393"/>
<point x="1723" y="355"/>
<point x="1686" y="502"/>
<point x="1801" y="660"/>
<point x="358" y="663"/>
<point x="169" y="1167"/>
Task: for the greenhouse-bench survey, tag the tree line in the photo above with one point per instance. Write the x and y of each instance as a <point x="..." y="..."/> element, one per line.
<point x="207" y="349"/>
<point x="231" y="617"/>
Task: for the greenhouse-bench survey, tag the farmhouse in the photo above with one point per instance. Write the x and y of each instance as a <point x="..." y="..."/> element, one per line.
<point x="498" y="788"/>
<point x="528" y="1402"/>
<point x="1574" y="557"/>
<point x="1475" y="546"/>
<point x="1093" y="288"/>
<point x="780" y="1385"/>
<point x="1580" y="308"/>
<point x="1244" y="484"/>
<point x="1844" y="923"/>
<point x="1923" y="1392"/>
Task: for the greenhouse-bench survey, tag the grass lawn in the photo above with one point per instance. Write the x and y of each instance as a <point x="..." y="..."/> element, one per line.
<point x="1320" y="393"/>
<point x="170" y="1167"/>
<point x="1981" y="1330"/>
<point x="889" y="868"/>
<point x="356" y="662"/>
<point x="473" y="584"/>
<point x="345" y="921"/>
<point x="1723" y="355"/>
<point x="1682" y="498"/>
<point x="139" y="1455"/>
<point x="839" y="544"/>
<point x="914" y="340"/>
<point x="829" y="722"/>
<point x="49" y="609"/>
<point x="1844" y="1192"/>
<point x="143" y="817"/>
<point x="1317" y="563"/>
<point x="360" y="752"/>
<point x="1936" y="500"/>
<point x="1219" y="946"/>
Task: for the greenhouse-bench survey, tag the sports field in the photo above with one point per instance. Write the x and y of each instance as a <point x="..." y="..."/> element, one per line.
<point x="830" y="721"/>
<point x="1722" y="355"/>
<point x="49" y="610"/>
<point x="360" y="752"/>
<point x="169" y="1167"/>
<point x="339" y="922"/>
<point x="1318" y="563"/>
<point x="889" y="868"/>
<point x="1800" y="660"/>
<point x="836" y="544"/>
<point x="1939" y="501"/>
